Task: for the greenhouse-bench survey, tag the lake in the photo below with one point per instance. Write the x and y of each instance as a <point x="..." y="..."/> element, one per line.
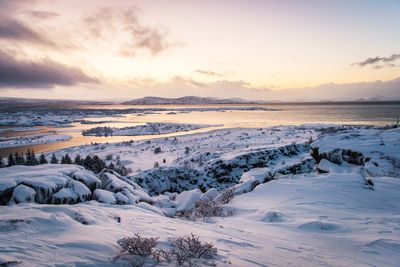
<point x="279" y="114"/>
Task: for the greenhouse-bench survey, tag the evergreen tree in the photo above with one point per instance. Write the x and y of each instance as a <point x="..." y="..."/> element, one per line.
<point x="35" y="161"/>
<point x="78" y="160"/>
<point x="1" y="162"/>
<point x="19" y="159"/>
<point x="42" y="159"/>
<point x="28" y="158"/>
<point x="31" y="158"/>
<point x="11" y="161"/>
<point x="63" y="160"/>
<point x="88" y="163"/>
<point x="54" y="160"/>
<point x="68" y="159"/>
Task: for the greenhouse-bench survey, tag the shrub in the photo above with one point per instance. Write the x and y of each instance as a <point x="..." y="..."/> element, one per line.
<point x="183" y="250"/>
<point x="227" y="195"/>
<point x="157" y="150"/>
<point x="137" y="245"/>
<point x="208" y="208"/>
<point x="188" y="249"/>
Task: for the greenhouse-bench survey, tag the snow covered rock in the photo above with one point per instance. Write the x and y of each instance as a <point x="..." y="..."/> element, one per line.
<point x="326" y="166"/>
<point x="23" y="194"/>
<point x="47" y="180"/>
<point x="211" y="194"/>
<point x="187" y="200"/>
<point x="104" y="196"/>
<point x="74" y="193"/>
<point x="260" y="175"/>
<point x="251" y="179"/>
<point x="87" y="178"/>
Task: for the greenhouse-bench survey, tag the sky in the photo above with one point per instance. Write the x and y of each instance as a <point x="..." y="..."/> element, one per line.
<point x="254" y="49"/>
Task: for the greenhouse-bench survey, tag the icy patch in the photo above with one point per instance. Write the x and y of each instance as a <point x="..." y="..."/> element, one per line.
<point x="274" y="216"/>
<point x="323" y="227"/>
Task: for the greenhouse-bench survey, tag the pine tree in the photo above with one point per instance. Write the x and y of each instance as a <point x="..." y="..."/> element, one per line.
<point x="68" y="159"/>
<point x="54" y="160"/>
<point x="19" y="159"/>
<point x="28" y="158"/>
<point x="31" y="158"/>
<point x="11" y="161"/>
<point x="1" y="162"/>
<point x="34" y="159"/>
<point x="42" y="159"/>
<point x="63" y="160"/>
<point x="78" y="160"/>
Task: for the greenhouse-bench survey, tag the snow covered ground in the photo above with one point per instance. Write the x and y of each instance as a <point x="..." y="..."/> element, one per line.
<point x="332" y="203"/>
<point x="32" y="140"/>
<point x="145" y="129"/>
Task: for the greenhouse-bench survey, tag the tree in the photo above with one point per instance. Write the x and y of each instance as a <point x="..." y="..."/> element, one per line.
<point x="34" y="159"/>
<point x="42" y="159"/>
<point x="68" y="159"/>
<point x="54" y="160"/>
<point x="31" y="158"/>
<point x="1" y="162"/>
<point x="11" y="160"/>
<point x="19" y="159"/>
<point x="78" y="160"/>
<point x="63" y="160"/>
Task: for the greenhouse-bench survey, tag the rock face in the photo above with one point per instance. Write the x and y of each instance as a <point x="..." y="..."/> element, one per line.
<point x="221" y="173"/>
<point x="23" y="194"/>
<point x="66" y="184"/>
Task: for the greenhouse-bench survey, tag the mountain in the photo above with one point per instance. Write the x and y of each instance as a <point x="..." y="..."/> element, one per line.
<point x="186" y="100"/>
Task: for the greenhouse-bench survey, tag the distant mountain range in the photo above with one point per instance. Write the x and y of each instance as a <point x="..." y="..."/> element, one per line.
<point x="187" y="100"/>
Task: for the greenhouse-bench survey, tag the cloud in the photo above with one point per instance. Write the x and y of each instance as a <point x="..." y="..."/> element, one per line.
<point x="11" y="29"/>
<point x="17" y="30"/>
<point x="42" y="15"/>
<point x="386" y="90"/>
<point x="378" y="60"/>
<point x="209" y="73"/>
<point x="38" y="74"/>
<point x="134" y="35"/>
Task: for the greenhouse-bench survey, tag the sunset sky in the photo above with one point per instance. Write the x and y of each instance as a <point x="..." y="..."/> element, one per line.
<point x="269" y="50"/>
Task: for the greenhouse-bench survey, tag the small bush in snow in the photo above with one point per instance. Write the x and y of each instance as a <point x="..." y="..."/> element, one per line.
<point x="137" y="245"/>
<point x="206" y="209"/>
<point x="157" y="150"/>
<point x="189" y="249"/>
<point x="227" y="195"/>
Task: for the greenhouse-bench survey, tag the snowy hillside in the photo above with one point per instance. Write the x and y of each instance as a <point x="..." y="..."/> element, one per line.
<point x="332" y="203"/>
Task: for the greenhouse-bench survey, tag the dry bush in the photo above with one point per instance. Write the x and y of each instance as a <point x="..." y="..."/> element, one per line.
<point x="189" y="249"/>
<point x="137" y="245"/>
<point x="183" y="250"/>
<point x="227" y="195"/>
<point x="208" y="208"/>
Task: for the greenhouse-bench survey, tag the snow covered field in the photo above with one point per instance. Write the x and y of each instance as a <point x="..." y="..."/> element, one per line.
<point x="334" y="202"/>
<point x="32" y="140"/>
<point x="145" y="129"/>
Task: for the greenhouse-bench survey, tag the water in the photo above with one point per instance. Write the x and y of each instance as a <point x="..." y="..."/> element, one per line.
<point x="283" y="114"/>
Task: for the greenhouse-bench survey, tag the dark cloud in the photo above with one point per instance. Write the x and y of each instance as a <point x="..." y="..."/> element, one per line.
<point x="38" y="74"/>
<point x="378" y="60"/>
<point x="154" y="39"/>
<point x="209" y="73"/>
<point x="42" y="15"/>
<point x="17" y="30"/>
<point x="11" y="29"/>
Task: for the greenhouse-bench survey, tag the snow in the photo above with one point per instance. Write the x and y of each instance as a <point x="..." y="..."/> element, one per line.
<point x="104" y="196"/>
<point x="145" y="129"/>
<point x="314" y="215"/>
<point x="309" y="220"/>
<point x="32" y="140"/>
<point x="23" y="194"/>
<point x="187" y="200"/>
